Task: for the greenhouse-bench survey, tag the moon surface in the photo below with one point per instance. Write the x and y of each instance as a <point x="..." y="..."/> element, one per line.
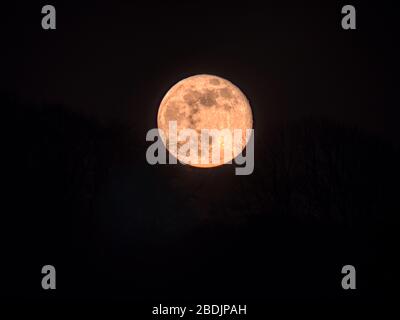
<point x="205" y="102"/>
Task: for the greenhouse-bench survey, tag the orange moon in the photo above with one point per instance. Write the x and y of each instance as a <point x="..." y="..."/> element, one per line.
<point x="205" y="102"/>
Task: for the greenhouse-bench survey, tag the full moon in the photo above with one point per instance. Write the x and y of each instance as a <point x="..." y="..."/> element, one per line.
<point x="205" y="102"/>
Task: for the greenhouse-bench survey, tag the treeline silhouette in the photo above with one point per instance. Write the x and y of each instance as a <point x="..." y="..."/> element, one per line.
<point x="82" y="196"/>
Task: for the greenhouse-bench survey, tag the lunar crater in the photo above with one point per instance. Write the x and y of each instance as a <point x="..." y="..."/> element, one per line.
<point x="209" y="98"/>
<point x="226" y="93"/>
<point x="214" y="82"/>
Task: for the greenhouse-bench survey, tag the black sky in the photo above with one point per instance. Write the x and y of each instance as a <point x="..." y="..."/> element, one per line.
<point x="115" y="61"/>
<point x="78" y="101"/>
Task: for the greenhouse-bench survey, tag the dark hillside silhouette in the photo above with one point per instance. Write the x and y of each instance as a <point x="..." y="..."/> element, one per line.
<point x="82" y="196"/>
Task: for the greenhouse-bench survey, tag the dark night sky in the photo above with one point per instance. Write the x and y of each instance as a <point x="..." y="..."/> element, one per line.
<point x="79" y="100"/>
<point x="115" y="61"/>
